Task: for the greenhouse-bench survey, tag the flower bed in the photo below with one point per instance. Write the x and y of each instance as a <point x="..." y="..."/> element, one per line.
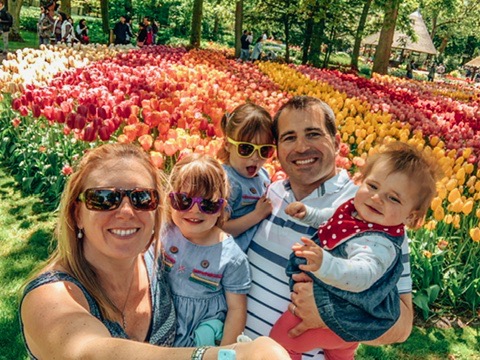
<point x="171" y="101"/>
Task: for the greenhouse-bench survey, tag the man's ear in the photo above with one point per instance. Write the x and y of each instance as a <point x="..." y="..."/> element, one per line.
<point x="337" y="140"/>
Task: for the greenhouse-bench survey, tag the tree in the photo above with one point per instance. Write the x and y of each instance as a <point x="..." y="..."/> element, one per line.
<point x="105" y="17"/>
<point x="196" y="32"/>
<point x="384" y="47"/>
<point x="238" y="26"/>
<point x="14" y="7"/>
<point x="66" y="6"/>
<point x="359" y="34"/>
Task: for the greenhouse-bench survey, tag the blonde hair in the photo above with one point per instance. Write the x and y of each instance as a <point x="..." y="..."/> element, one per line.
<point x="423" y="173"/>
<point x="69" y="252"/>
<point x="243" y="124"/>
<point x="203" y="176"/>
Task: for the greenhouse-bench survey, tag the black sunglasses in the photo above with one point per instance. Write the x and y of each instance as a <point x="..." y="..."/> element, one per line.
<point x="246" y="149"/>
<point x="182" y="202"/>
<point x="106" y="199"/>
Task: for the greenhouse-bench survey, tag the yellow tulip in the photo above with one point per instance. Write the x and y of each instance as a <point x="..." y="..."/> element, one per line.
<point x="467" y="207"/>
<point x="451" y="184"/>
<point x="448" y="219"/>
<point x="471" y="181"/>
<point x="460" y="173"/>
<point x="439" y="214"/>
<point x="467" y="152"/>
<point x="469" y="168"/>
<point x="434" y="140"/>
<point x="454" y="194"/>
<point x="456" y="221"/>
<point x="477" y="213"/>
<point x="475" y="234"/>
<point x="436" y="202"/>
<point x="456" y="206"/>
<point x="431" y="225"/>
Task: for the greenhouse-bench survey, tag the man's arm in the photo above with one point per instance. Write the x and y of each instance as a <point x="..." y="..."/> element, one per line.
<point x="403" y="327"/>
<point x="306" y="309"/>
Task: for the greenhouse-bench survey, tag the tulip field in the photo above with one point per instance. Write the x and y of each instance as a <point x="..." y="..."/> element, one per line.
<point x="59" y="101"/>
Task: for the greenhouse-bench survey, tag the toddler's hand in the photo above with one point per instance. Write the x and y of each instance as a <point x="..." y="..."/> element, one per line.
<point x="263" y="208"/>
<point x="310" y="251"/>
<point x="296" y="210"/>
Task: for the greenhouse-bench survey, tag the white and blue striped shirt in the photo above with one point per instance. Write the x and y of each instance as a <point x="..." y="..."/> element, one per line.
<point x="271" y="247"/>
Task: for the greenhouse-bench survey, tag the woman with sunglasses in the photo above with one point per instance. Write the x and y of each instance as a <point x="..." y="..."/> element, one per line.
<point x="248" y="140"/>
<point x="208" y="273"/>
<point x="102" y="294"/>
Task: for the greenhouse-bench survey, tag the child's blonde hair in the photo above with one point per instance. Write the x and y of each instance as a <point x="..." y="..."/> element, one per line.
<point x="202" y="176"/>
<point x="423" y="172"/>
<point x="243" y="124"/>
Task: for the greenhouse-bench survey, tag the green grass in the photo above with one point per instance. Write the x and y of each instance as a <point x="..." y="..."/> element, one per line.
<point x="25" y="239"/>
<point x="30" y="41"/>
<point x="25" y="233"/>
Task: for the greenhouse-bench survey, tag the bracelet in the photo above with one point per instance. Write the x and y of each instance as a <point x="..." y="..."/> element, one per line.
<point x="199" y="352"/>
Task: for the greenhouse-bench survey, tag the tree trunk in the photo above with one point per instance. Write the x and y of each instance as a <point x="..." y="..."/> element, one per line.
<point x="105" y="19"/>
<point x="359" y="34"/>
<point x="286" y="25"/>
<point x="14" y="7"/>
<point x="317" y="39"/>
<point x="308" y="38"/>
<point x="382" y="53"/>
<point x="238" y="26"/>
<point x="443" y="45"/>
<point x="66" y="7"/>
<point x="196" y="32"/>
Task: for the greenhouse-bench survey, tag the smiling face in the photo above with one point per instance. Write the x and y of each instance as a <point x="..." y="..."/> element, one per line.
<point x="123" y="232"/>
<point x="386" y="198"/>
<point x="247" y="167"/>
<point x="306" y="149"/>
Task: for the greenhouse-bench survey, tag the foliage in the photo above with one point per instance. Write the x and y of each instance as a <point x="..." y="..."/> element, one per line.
<point x="37" y="153"/>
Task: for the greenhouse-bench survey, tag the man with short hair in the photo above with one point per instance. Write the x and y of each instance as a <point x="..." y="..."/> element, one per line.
<point x="121" y="32"/>
<point x="6" y="23"/>
<point x="307" y="144"/>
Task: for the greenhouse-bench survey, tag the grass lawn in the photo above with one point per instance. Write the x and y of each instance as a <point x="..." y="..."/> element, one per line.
<point x="31" y="41"/>
<point x="26" y="233"/>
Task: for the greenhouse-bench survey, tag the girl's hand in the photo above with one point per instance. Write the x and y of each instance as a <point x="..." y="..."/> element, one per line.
<point x="296" y="210"/>
<point x="310" y="251"/>
<point x="263" y="208"/>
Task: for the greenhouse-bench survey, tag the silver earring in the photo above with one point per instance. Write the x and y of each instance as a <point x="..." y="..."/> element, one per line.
<point x="80" y="234"/>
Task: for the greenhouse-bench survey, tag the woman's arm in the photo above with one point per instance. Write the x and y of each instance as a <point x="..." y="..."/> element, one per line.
<point x="58" y="326"/>
<point x="236" y="317"/>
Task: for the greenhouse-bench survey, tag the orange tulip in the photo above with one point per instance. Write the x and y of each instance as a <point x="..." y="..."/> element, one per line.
<point x="475" y="234"/>
<point x="157" y="159"/>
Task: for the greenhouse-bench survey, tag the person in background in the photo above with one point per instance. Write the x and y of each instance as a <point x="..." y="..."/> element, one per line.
<point x="82" y="32"/>
<point x="103" y="293"/>
<point x="57" y="26"/>
<point x="356" y="264"/>
<point x="6" y="22"/>
<point x="410" y="67"/>
<point x="248" y="145"/>
<point x="39" y="24"/>
<point x="130" y="34"/>
<point x="307" y="143"/>
<point x="68" y="32"/>
<point x="149" y="31"/>
<point x="257" y="49"/>
<point x="245" y="46"/>
<point x="47" y="24"/>
<point x="120" y="32"/>
<point x="208" y="273"/>
<point x="142" y="34"/>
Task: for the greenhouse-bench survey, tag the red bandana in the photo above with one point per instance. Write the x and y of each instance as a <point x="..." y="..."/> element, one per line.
<point x="343" y="225"/>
